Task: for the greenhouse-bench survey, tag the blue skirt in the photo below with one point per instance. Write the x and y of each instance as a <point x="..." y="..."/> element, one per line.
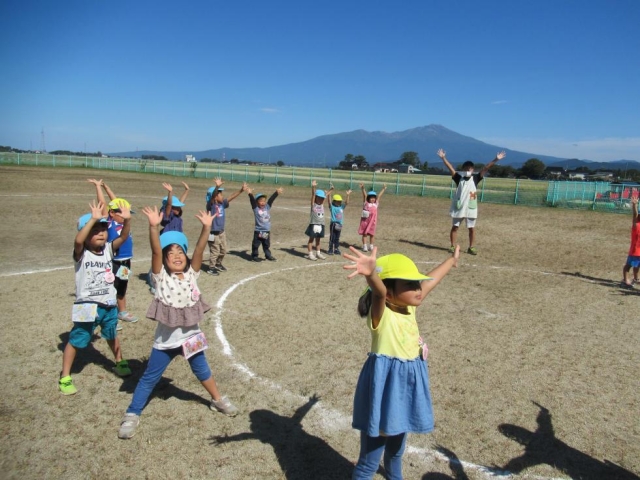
<point x="392" y="397"/>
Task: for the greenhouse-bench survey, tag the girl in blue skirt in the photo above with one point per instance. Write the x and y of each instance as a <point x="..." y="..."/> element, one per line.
<point x="392" y="396"/>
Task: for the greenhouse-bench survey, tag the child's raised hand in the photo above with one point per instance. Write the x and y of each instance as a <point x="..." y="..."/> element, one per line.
<point x="167" y="187"/>
<point x="362" y="186"/>
<point x="634" y="200"/>
<point x="97" y="183"/>
<point x="501" y="155"/>
<point x="280" y="191"/>
<point x="206" y="218"/>
<point x="362" y="264"/>
<point x="218" y="181"/>
<point x="349" y="192"/>
<point x="442" y="153"/>
<point x="314" y="184"/>
<point x="96" y="210"/>
<point x="456" y="256"/>
<point x="154" y="216"/>
<point x="247" y="189"/>
<point x="184" y="184"/>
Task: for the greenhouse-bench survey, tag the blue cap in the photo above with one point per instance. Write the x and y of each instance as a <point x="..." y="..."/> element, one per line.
<point x="258" y="195"/>
<point x="320" y="193"/>
<point x="175" y="202"/>
<point x="82" y="221"/>
<point x="210" y="192"/>
<point x="179" y="238"/>
<point x="372" y="193"/>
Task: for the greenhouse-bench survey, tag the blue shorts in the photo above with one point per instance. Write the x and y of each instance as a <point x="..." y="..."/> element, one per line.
<point x="633" y="261"/>
<point x="107" y="320"/>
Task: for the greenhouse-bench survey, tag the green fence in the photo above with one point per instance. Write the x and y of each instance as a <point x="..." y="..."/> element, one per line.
<point x="584" y="195"/>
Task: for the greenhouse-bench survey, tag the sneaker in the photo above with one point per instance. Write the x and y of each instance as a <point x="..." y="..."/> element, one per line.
<point x="311" y="256"/>
<point x="624" y="284"/>
<point x="213" y="272"/>
<point x="152" y="290"/>
<point x="118" y="327"/>
<point x="221" y="268"/>
<point x="122" y="368"/>
<point x="128" y="425"/>
<point x="272" y="259"/>
<point x="329" y="252"/>
<point x="452" y="249"/>
<point x="472" y="251"/>
<point x="255" y="259"/>
<point x="224" y="406"/>
<point x="127" y="317"/>
<point x="337" y="251"/>
<point x="365" y="248"/>
<point x="320" y="255"/>
<point x="66" y="386"/>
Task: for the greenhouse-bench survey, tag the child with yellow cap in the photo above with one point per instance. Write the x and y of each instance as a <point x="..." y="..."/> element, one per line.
<point x="337" y="206"/>
<point x="392" y="396"/>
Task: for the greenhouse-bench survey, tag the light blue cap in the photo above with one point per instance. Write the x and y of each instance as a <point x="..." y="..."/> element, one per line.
<point x="258" y="195"/>
<point x="175" y="202"/>
<point x="372" y="192"/>
<point x="82" y="221"/>
<point x="179" y="238"/>
<point x="320" y="193"/>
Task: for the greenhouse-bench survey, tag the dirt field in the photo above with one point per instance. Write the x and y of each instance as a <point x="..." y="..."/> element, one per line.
<point x="534" y="348"/>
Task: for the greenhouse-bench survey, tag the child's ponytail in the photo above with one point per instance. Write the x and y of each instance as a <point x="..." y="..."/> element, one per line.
<point x="365" y="300"/>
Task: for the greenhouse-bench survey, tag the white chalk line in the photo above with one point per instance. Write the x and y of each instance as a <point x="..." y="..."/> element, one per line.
<point x="336" y="415"/>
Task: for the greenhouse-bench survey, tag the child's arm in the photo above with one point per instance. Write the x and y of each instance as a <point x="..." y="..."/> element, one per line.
<point x="275" y="195"/>
<point x="185" y="194"/>
<point x="366" y="266"/>
<point x="169" y="204"/>
<point x="328" y="195"/>
<point x="440" y="272"/>
<point x="443" y="155"/>
<point x="314" y="184"/>
<point x="634" y="209"/>
<point x="206" y="219"/>
<point x="99" y="195"/>
<point x="83" y="234"/>
<point x="235" y="194"/>
<point x="364" y="194"/>
<point x="109" y="191"/>
<point x="346" y="202"/>
<point x="155" y="217"/>
<point x="252" y="199"/>
<point x="125" y="213"/>
<point x="499" y="156"/>
<point x="384" y="189"/>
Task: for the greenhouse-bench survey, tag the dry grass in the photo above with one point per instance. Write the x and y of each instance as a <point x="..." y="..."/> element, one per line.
<point x="534" y="349"/>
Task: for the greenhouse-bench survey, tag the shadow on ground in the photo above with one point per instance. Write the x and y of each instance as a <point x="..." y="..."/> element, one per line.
<point x="301" y="456"/>
<point x="424" y="245"/>
<point x="542" y="447"/>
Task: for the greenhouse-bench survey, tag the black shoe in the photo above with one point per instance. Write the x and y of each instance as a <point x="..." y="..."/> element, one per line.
<point x="271" y="259"/>
<point x="221" y="268"/>
<point x="255" y="259"/>
<point x="213" y="271"/>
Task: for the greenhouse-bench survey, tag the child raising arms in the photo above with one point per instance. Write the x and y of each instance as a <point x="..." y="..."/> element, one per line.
<point x="315" y="230"/>
<point x="369" y="217"/>
<point x="633" y="259"/>
<point x="178" y="308"/>
<point x="95" y="303"/>
<point x="392" y="395"/>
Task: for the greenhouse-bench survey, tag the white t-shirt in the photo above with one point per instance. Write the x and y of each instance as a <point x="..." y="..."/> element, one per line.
<point x="95" y="277"/>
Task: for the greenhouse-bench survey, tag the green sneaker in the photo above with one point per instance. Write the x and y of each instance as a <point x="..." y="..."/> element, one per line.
<point x="472" y="251"/>
<point x="66" y="386"/>
<point x="122" y="368"/>
<point x="452" y="249"/>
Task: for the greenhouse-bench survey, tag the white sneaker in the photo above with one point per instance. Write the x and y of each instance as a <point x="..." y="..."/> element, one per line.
<point x="128" y="425"/>
<point x="311" y="256"/>
<point x="371" y="247"/>
<point x="224" y="405"/>
<point x="365" y="248"/>
<point x="320" y="255"/>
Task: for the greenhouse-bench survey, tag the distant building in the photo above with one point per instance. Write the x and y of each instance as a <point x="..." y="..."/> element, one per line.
<point x="190" y="158"/>
<point x="554" y="171"/>
<point x="406" y="168"/>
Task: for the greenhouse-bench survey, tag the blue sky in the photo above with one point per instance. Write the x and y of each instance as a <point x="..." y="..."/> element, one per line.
<point x="557" y="77"/>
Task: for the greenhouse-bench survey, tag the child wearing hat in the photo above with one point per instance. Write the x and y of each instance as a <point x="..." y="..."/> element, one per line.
<point x="315" y="230"/>
<point x="123" y="256"/>
<point x="216" y="205"/>
<point x="95" y="303"/>
<point x="177" y="308"/>
<point x="262" y="232"/>
<point x="392" y="395"/>
<point x="369" y="216"/>
<point x="172" y="209"/>
<point x="337" y="218"/>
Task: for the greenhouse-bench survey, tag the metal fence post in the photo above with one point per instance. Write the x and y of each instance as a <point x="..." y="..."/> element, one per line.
<point x="397" y="183"/>
<point x="276" y="175"/>
<point x="515" y="200"/>
<point x="351" y="181"/>
<point x="482" y="192"/>
<point x="424" y="186"/>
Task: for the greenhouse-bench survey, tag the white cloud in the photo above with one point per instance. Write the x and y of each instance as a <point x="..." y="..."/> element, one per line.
<point x="269" y="110"/>
<point x="597" y="149"/>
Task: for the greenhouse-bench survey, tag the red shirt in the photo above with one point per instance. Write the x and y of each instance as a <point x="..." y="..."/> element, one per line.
<point x="634" y="249"/>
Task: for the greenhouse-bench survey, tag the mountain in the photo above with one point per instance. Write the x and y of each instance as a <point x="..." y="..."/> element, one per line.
<point x="572" y="164"/>
<point x="329" y="150"/>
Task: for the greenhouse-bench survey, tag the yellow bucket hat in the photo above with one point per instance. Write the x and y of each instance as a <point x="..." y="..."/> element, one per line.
<point x="398" y="266"/>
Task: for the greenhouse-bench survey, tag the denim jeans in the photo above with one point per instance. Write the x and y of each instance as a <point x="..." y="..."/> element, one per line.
<point x="158" y="362"/>
<point x="371" y="449"/>
<point x="334" y="238"/>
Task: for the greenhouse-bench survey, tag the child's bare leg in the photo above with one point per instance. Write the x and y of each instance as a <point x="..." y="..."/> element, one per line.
<point x="453" y="235"/>
<point x="364" y="239"/>
<point x="310" y="244"/>
<point x="211" y="387"/>
<point x="114" y="345"/>
<point x="122" y="304"/>
<point x="635" y="273"/>
<point x="318" y="243"/>
<point x="472" y="236"/>
<point x="68" y="356"/>
<point x="371" y="239"/>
